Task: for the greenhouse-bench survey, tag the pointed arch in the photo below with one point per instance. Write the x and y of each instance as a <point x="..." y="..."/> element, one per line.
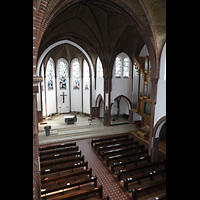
<point x="158" y="126"/>
<point x="127" y="99"/>
<point x="57" y="44"/>
<point x="98" y="99"/>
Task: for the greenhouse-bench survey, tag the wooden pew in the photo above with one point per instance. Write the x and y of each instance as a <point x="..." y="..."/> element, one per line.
<point x="102" y="144"/>
<point x="134" y="161"/>
<point x="160" y="197"/>
<point x="60" y="155"/>
<point x="108" y="139"/>
<point x="67" y="176"/>
<point x="146" y="187"/>
<point x="81" y="193"/>
<point x="120" y="151"/>
<point x="64" y="168"/>
<point x="57" y="146"/>
<point x="63" y="161"/>
<point x="116" y="146"/>
<point x="56" y="151"/>
<point x="70" y="184"/>
<point x="126" y="155"/>
<point x="138" y="179"/>
<point x="120" y="173"/>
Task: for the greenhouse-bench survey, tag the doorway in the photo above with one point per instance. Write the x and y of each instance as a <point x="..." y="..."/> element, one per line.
<point x="120" y="111"/>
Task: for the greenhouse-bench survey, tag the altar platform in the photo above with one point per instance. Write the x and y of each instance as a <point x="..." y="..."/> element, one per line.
<point x="83" y="128"/>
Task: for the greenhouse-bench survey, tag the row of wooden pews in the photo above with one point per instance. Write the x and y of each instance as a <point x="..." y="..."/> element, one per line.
<point x="130" y="163"/>
<point x="65" y="174"/>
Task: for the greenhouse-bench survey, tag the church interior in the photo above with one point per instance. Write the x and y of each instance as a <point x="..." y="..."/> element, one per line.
<point x="99" y="99"/>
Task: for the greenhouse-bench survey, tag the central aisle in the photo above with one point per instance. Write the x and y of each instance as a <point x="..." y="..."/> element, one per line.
<point x="111" y="186"/>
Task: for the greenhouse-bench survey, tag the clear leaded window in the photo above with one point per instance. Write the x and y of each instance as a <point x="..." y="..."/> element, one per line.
<point x="126" y="67"/>
<point x="118" y="67"/>
<point x="62" y="75"/>
<point x="76" y="75"/>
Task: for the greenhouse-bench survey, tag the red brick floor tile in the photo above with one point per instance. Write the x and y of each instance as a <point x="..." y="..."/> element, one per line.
<point x="111" y="186"/>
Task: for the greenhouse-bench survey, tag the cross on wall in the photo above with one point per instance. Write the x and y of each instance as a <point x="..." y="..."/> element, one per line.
<point x="63" y="95"/>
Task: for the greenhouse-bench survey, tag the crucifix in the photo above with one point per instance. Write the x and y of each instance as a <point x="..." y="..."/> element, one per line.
<point x="63" y="95"/>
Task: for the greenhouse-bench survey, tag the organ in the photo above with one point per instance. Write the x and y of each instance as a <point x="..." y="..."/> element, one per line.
<point x="142" y="92"/>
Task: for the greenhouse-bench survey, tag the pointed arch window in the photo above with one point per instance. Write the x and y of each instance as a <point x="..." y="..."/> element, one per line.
<point x="62" y="74"/>
<point x="76" y="75"/>
<point x="50" y="74"/>
<point x="118" y="67"/>
<point x="99" y="68"/>
<point x="86" y="75"/>
<point x="126" y="67"/>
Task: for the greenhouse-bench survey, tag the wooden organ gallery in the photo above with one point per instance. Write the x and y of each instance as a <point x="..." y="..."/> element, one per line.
<point x="142" y="93"/>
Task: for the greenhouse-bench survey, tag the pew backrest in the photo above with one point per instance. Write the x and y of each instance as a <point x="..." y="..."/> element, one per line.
<point x="57" y="146"/>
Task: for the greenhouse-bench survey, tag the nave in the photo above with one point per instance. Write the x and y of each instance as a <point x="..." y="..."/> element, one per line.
<point x="95" y="158"/>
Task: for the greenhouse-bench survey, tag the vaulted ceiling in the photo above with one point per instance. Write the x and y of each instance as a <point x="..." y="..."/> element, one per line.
<point x="103" y="28"/>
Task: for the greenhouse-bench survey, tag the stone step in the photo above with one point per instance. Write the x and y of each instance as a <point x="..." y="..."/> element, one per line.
<point x="83" y="133"/>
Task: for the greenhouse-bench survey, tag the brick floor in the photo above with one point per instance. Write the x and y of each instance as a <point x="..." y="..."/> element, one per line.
<point x="111" y="186"/>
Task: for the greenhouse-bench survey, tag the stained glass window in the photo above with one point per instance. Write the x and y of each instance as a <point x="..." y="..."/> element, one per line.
<point x="126" y="67"/>
<point x="62" y="75"/>
<point x="86" y="75"/>
<point x="76" y="75"/>
<point x="99" y="68"/>
<point x="118" y="67"/>
<point x="50" y="74"/>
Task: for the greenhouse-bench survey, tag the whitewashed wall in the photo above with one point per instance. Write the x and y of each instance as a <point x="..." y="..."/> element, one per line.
<point x="123" y="106"/>
<point x="86" y="93"/>
<point x="114" y="108"/>
<point x="144" y="52"/>
<point x="122" y="86"/>
<point x="160" y="107"/>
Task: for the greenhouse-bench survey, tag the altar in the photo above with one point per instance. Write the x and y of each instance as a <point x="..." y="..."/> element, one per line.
<point x="70" y="119"/>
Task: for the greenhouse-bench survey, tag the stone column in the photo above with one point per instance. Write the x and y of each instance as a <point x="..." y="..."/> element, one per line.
<point x="152" y="141"/>
<point x="107" y="89"/>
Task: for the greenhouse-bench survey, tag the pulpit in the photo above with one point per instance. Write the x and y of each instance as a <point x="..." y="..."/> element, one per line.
<point x="70" y="119"/>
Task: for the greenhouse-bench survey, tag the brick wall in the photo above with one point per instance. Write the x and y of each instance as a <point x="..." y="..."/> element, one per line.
<point x="39" y="10"/>
<point x="36" y="172"/>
